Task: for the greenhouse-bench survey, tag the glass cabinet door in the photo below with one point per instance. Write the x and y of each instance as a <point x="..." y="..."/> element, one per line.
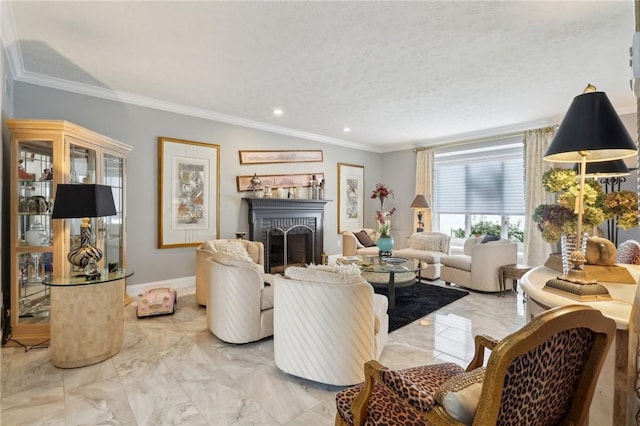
<point x="34" y="254"/>
<point x="113" y="225"/>
<point x="82" y="170"/>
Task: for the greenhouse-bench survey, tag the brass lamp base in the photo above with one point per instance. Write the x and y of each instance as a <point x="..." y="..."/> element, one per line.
<point x="577" y="276"/>
<point x="577" y="291"/>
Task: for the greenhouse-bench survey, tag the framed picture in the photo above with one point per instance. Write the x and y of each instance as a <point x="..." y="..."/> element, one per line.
<point x="350" y="197"/>
<point x="268" y="157"/>
<point x="278" y="181"/>
<point x="188" y="192"/>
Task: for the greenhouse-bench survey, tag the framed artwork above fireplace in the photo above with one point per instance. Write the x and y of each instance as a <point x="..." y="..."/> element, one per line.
<point x="350" y="197"/>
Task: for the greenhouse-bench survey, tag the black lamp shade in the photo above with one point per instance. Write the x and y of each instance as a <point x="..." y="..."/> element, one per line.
<point x="78" y="200"/>
<point x="613" y="168"/>
<point x="591" y="128"/>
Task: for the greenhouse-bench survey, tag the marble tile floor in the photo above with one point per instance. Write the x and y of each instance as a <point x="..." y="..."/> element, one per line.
<point x="173" y="371"/>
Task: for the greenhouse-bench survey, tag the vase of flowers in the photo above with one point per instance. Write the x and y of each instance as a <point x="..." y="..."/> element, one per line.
<point x="385" y="241"/>
<point x="381" y="192"/>
<point x="554" y="220"/>
<point x="383" y="218"/>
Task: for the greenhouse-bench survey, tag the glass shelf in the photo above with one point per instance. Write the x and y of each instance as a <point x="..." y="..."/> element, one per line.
<point x="78" y="280"/>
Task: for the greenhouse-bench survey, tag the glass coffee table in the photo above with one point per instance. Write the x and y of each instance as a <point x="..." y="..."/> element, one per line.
<point x="390" y="272"/>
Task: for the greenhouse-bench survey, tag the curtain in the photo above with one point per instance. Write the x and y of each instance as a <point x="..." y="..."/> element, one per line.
<point x="536" y="142"/>
<point x="424" y="184"/>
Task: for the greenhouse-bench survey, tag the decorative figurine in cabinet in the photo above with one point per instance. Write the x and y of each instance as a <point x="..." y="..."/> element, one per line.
<point x="45" y="153"/>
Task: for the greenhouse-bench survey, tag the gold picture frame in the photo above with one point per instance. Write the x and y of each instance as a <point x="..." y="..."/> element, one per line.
<point x="350" y="197"/>
<point x="284" y="156"/>
<point x="188" y="192"/>
<point x="278" y="181"/>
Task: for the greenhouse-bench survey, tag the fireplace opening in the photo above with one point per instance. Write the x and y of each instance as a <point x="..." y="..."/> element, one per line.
<point x="299" y="250"/>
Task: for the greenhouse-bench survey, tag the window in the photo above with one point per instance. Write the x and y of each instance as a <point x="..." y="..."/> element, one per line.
<point x="479" y="188"/>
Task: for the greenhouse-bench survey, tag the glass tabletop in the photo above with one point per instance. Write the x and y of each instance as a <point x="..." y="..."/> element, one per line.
<point x="82" y="279"/>
<point x="385" y="264"/>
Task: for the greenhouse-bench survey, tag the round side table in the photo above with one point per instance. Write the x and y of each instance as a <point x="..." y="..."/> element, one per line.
<point x="513" y="272"/>
<point x="87" y="323"/>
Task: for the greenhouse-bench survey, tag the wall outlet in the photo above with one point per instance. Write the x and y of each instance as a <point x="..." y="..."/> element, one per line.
<point x="339" y="242"/>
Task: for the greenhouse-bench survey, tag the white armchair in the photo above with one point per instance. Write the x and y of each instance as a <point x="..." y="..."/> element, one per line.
<point x="239" y="303"/>
<point x="255" y="250"/>
<point x="327" y="324"/>
<point x="478" y="267"/>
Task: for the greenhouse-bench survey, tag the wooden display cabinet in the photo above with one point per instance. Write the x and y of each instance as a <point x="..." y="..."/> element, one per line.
<point x="45" y="153"/>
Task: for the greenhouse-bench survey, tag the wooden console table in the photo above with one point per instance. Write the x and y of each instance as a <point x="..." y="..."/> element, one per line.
<point x="87" y="323"/>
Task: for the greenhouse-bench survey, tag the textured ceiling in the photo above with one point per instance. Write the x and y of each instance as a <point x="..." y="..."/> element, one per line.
<point x="399" y="74"/>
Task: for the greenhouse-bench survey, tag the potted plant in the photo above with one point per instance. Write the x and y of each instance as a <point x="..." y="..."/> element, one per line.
<point x="383" y="218"/>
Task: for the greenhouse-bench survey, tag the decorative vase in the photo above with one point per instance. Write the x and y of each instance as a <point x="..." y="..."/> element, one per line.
<point x="81" y="256"/>
<point x="36" y="235"/>
<point x="568" y="244"/>
<point x="385" y="245"/>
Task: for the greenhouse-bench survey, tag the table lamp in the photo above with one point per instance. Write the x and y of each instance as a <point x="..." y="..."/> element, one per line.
<point x="83" y="201"/>
<point x="604" y="169"/>
<point x="591" y="131"/>
<point x="420" y="202"/>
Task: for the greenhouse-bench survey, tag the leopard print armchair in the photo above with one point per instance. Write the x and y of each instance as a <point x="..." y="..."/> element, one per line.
<point x="544" y="373"/>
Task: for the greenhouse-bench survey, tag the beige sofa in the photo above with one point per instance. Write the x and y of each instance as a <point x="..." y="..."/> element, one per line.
<point x="204" y="251"/>
<point x="352" y="247"/>
<point x="478" y="267"/>
<point x="428" y="247"/>
<point x="327" y="324"/>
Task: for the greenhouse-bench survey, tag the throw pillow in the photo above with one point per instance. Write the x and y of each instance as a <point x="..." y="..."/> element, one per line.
<point x="364" y="238"/>
<point x="460" y="394"/>
<point x="425" y="242"/>
<point x="322" y="276"/>
<point x="488" y="238"/>
<point x="232" y="248"/>
<point x="348" y="269"/>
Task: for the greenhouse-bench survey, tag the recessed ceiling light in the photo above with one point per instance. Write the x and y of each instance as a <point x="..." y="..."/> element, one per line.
<point x="277" y="111"/>
<point x="346" y="129"/>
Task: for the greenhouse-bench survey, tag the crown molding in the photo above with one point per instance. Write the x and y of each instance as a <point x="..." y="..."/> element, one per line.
<point x="10" y="39"/>
<point x="486" y="134"/>
<point x="113" y="95"/>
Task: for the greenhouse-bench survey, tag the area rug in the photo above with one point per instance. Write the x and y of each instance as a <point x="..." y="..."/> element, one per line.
<point x="409" y="307"/>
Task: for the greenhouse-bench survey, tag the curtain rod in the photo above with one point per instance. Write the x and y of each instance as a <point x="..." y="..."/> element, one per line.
<point x="486" y="139"/>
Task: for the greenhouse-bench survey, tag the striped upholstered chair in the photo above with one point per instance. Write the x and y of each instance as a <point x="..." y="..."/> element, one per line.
<point x="326" y="325"/>
<point x="239" y="295"/>
<point x="543" y="374"/>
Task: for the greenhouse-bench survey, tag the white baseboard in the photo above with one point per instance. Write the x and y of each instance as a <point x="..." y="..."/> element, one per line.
<point x="185" y="282"/>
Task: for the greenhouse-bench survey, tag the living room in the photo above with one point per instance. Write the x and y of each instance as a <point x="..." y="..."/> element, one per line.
<point x="139" y="121"/>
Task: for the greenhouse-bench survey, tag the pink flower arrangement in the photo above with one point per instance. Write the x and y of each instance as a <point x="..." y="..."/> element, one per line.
<point x="381" y="192"/>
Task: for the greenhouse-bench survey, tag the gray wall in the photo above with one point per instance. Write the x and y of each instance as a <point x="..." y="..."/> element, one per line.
<point x="140" y="127"/>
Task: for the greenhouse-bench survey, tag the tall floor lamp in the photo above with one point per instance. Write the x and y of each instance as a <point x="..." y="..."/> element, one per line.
<point x="420" y="202"/>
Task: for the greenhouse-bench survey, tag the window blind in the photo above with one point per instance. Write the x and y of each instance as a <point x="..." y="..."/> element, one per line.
<point x="480" y="183"/>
